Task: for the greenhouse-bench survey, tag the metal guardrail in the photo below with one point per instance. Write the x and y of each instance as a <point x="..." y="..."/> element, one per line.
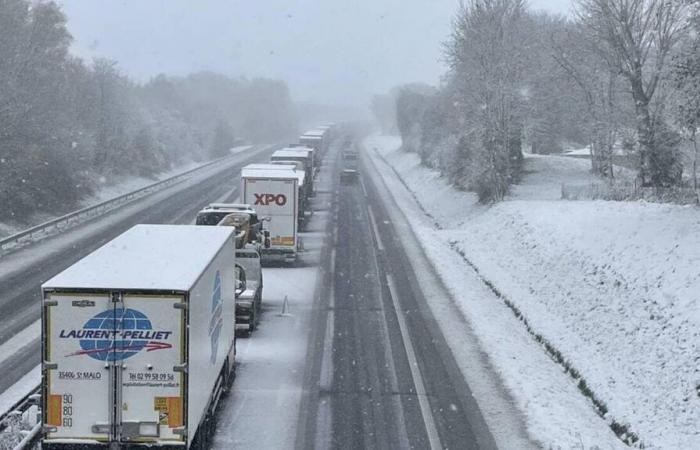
<point x="15" y="431"/>
<point x="20" y="406"/>
<point x="79" y="216"/>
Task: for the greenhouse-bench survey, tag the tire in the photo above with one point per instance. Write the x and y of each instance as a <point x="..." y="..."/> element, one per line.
<point x="253" y="320"/>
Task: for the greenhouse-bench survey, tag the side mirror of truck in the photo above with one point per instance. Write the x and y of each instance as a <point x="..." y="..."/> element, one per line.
<point x="267" y="243"/>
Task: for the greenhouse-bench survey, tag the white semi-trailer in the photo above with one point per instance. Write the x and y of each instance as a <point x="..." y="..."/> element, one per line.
<point x="301" y="154"/>
<point x="138" y="340"/>
<point x="318" y="139"/>
<point x="273" y="190"/>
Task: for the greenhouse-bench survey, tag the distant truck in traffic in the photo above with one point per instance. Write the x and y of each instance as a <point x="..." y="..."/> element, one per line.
<point x="303" y="196"/>
<point x="138" y="341"/>
<point x="273" y="190"/>
<point x="304" y="155"/>
<point x="318" y="139"/>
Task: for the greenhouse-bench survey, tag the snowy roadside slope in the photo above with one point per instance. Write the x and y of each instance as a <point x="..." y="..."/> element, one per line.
<point x="613" y="286"/>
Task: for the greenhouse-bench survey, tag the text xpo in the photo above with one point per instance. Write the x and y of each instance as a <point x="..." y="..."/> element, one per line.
<point x="268" y="199"/>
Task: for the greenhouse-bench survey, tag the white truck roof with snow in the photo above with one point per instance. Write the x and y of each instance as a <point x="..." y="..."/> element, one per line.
<point x="292" y="152"/>
<point x="272" y="171"/>
<point x="231" y="206"/>
<point x="147" y="257"/>
<point x="314" y="134"/>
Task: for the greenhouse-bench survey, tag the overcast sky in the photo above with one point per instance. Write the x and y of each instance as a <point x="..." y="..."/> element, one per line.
<point x="329" y="51"/>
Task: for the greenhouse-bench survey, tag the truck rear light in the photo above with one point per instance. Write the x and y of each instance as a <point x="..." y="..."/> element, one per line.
<point x="54" y="405"/>
<point x="174" y="412"/>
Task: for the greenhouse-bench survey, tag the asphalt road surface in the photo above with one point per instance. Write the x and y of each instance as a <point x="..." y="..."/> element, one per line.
<point x="380" y="373"/>
<point x="20" y="293"/>
<point x="377" y="372"/>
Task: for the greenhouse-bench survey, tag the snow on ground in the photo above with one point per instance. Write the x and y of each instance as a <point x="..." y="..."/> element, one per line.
<point x="113" y="189"/>
<point x="545" y="174"/>
<point x="263" y="408"/>
<point x="20" y="389"/>
<point x="262" y="411"/>
<point x="613" y="286"/>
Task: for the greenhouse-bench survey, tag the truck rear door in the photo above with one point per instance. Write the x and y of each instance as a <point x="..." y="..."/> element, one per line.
<point x="78" y="337"/>
<point x="113" y="366"/>
<point x="152" y="379"/>
<point x="277" y="199"/>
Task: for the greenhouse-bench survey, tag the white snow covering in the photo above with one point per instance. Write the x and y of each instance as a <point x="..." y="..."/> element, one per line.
<point x="613" y="286"/>
<point x="115" y="188"/>
<point x="170" y="257"/>
<point x="19" y="341"/>
<point x="271" y="171"/>
<point x="108" y="191"/>
<point x="319" y="132"/>
<point x="263" y="408"/>
<point x="20" y="389"/>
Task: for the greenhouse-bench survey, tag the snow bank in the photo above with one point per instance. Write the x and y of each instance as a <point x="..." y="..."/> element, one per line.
<point x="20" y="389"/>
<point x="612" y="286"/>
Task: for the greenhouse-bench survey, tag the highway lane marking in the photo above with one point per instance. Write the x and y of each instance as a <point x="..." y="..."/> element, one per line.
<point x="364" y="189"/>
<point x="380" y="245"/>
<point x="20" y="340"/>
<point x="228" y="194"/>
<point x="389" y="355"/>
<point x="428" y="420"/>
<point x="326" y="380"/>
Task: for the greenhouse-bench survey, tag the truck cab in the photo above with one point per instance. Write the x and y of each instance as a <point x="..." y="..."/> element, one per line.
<point x="214" y="213"/>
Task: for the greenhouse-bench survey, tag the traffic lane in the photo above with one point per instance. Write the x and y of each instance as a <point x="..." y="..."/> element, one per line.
<point x="22" y="301"/>
<point x="457" y="417"/>
<point x="20" y="293"/>
<point x="272" y="365"/>
<point x="373" y="397"/>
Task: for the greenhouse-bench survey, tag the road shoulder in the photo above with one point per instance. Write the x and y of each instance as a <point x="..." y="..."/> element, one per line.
<point x="475" y="336"/>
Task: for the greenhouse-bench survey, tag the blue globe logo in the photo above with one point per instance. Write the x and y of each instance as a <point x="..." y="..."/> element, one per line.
<point x="115" y="321"/>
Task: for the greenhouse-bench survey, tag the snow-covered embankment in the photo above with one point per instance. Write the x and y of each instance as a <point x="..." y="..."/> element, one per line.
<point x="611" y="289"/>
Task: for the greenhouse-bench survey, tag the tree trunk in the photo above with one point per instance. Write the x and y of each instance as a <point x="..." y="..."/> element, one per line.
<point x="695" y="161"/>
<point x="645" y="132"/>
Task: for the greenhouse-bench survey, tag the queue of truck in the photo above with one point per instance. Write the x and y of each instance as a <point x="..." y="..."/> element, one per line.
<point x="139" y="337"/>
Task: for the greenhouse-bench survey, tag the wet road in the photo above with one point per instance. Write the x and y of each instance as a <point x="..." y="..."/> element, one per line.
<point x="384" y="376"/>
<point x="20" y="293"/>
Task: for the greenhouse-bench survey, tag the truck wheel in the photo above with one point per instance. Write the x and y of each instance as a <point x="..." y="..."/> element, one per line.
<point x="253" y="319"/>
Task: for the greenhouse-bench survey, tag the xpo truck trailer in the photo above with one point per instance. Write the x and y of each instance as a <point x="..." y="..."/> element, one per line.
<point x="273" y="190"/>
<point x="138" y="340"/>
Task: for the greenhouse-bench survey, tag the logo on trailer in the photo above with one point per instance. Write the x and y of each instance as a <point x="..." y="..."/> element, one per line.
<point x="267" y="199"/>
<point x="216" y="321"/>
<point x="117" y="334"/>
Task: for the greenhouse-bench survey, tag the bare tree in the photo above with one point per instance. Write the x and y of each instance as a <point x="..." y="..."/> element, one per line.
<point x="635" y="38"/>
<point x="687" y="74"/>
<point x="599" y="86"/>
<point x="486" y="57"/>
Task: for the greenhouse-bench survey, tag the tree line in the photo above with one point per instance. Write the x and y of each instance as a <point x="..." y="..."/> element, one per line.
<point x="67" y="126"/>
<point x="621" y="76"/>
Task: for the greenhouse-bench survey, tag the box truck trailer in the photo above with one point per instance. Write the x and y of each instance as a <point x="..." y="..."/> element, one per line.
<point x="304" y="155"/>
<point x="138" y="340"/>
<point x="273" y="190"/>
<point x="304" y="194"/>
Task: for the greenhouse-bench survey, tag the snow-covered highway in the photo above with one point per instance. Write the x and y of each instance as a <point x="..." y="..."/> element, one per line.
<point x="22" y="272"/>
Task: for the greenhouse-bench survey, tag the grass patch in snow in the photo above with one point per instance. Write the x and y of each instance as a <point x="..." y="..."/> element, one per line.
<point x="622" y="431"/>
